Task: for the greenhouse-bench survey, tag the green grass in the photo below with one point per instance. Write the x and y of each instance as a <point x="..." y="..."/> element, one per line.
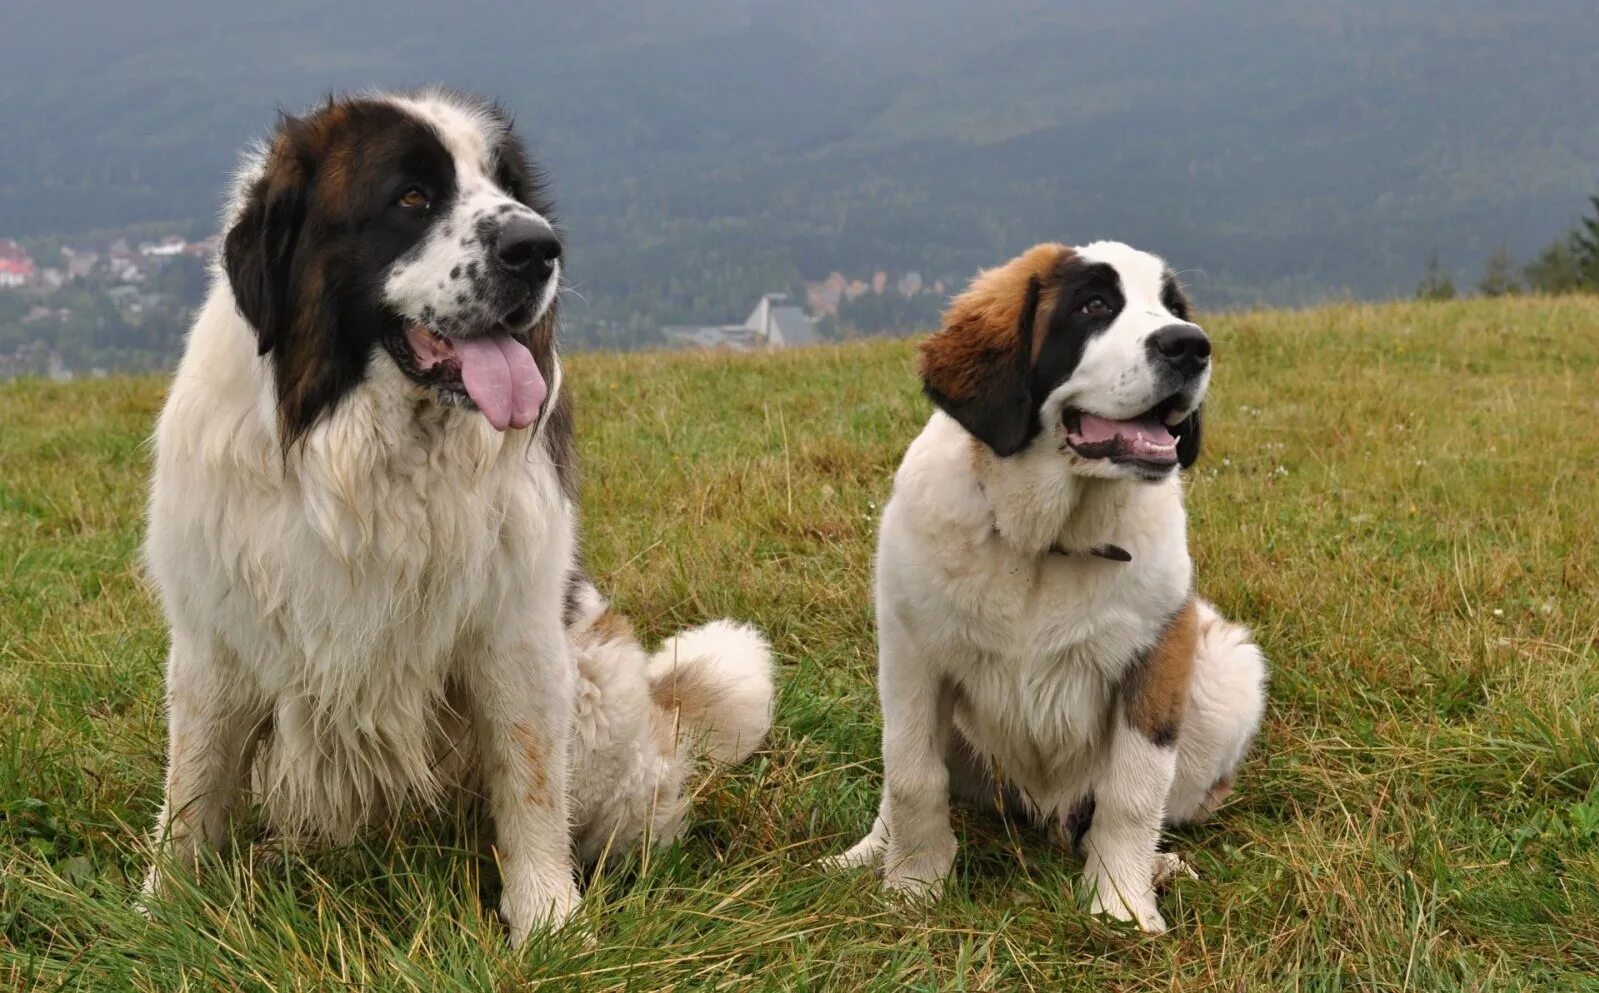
<point x="1402" y="500"/>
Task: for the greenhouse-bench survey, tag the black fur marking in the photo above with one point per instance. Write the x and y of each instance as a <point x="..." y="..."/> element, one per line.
<point x="318" y="227"/>
<point x="1189" y="433"/>
<point x="560" y="444"/>
<point x="1070" y="330"/>
<point x="1003" y="415"/>
<point x="320" y="230"/>
<point x="1165" y="735"/>
<point x="577" y="581"/>
<point x="1114" y="553"/>
<point x="1172" y="298"/>
<point x="1075" y="825"/>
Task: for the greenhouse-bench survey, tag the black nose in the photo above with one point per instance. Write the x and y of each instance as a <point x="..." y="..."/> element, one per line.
<point x="1184" y="347"/>
<point x="527" y="248"/>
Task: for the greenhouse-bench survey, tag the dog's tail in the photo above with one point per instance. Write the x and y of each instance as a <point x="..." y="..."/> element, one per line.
<point x="715" y="683"/>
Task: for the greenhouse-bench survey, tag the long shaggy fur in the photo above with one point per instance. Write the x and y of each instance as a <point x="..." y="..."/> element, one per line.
<point x="375" y="599"/>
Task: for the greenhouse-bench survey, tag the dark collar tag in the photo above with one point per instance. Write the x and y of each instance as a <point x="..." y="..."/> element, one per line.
<point x="1114" y="553"/>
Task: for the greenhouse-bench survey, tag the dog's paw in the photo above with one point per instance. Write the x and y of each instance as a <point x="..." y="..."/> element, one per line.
<point x="912" y="888"/>
<point x="864" y="854"/>
<point x="1169" y="866"/>
<point x="918" y="876"/>
<point x="538" y="906"/>
<point x="1136" y="908"/>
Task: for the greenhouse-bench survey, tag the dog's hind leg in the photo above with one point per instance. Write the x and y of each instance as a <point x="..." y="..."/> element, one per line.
<point x="1227" y="695"/>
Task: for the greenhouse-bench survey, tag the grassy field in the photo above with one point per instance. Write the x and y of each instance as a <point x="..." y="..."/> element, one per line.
<point x="1402" y="500"/>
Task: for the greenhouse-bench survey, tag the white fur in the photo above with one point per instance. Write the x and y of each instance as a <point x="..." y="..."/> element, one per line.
<point x="1114" y="377"/>
<point x="373" y="618"/>
<point x="731" y="657"/>
<point x="990" y="644"/>
<point x="421" y="282"/>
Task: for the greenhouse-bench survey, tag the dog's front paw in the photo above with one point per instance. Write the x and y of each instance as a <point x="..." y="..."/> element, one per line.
<point x="868" y="853"/>
<point x="537" y="905"/>
<point x="919" y="875"/>
<point x="1122" y="904"/>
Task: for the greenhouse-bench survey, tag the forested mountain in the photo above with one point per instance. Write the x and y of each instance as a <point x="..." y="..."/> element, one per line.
<point x="703" y="153"/>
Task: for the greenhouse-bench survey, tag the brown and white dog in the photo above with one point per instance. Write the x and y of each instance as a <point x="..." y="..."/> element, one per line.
<point x="1040" y="639"/>
<point x="363" y="521"/>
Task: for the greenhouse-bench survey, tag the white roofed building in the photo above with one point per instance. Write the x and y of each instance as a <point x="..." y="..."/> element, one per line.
<point x="774" y="323"/>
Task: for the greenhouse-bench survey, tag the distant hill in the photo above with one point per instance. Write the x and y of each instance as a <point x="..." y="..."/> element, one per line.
<point x="707" y="154"/>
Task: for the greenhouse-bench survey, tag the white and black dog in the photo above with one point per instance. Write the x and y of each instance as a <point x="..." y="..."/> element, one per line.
<point x="362" y="521"/>
<point x="1040" y="639"/>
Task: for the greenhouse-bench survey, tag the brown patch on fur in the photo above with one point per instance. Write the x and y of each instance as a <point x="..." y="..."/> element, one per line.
<point x="1155" y="692"/>
<point x="611" y="626"/>
<point x="290" y="263"/>
<point x="534" y="755"/>
<point x="981" y="332"/>
<point x="1218" y="793"/>
<point x="687" y="692"/>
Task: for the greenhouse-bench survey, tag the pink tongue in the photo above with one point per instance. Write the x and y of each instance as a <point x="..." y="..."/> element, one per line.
<point x="1144" y="437"/>
<point x="501" y="378"/>
<point x="1096" y="429"/>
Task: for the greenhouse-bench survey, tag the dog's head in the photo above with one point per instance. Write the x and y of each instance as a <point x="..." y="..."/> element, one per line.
<point x="412" y="227"/>
<point x="1089" y="350"/>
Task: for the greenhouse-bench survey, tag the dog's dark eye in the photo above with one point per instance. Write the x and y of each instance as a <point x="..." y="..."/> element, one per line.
<point x="1094" y="307"/>
<point x="413" y="199"/>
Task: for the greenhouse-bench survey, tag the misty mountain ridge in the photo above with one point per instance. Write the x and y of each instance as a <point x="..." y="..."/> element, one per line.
<point x="702" y="157"/>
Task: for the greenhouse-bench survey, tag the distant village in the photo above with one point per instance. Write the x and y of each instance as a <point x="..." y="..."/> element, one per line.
<point x="90" y="306"/>
<point x="834" y="308"/>
<point x="94" y="306"/>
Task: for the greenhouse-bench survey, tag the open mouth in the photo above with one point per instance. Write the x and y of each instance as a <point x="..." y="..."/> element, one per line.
<point x="1145" y="440"/>
<point x="495" y="372"/>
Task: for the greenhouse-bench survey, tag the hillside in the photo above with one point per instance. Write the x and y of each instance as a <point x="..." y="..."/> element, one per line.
<point x="1399" y="499"/>
<point x="706" y="153"/>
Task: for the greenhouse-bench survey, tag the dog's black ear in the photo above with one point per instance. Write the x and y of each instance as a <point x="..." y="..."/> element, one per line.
<point x="1188" y="436"/>
<point x="978" y="368"/>
<point x="985" y="388"/>
<point x="258" y="251"/>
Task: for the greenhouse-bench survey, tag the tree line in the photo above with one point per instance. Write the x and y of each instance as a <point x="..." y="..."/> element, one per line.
<point x="1569" y="264"/>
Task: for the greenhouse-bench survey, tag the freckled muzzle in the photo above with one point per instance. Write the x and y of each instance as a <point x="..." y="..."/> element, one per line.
<point x="479" y="356"/>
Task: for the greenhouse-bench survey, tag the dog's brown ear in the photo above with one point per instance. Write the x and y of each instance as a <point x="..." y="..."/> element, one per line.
<point x="285" y="293"/>
<point x="978" y="368"/>
<point x="258" y="251"/>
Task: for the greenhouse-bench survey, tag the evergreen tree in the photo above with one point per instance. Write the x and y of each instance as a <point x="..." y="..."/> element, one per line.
<point x="1570" y="263"/>
<point x="1585" y="244"/>
<point x="1499" y="276"/>
<point x="1435" y="283"/>
<point x="1555" y="269"/>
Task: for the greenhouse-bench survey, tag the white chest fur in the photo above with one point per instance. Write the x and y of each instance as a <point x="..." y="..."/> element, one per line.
<point x="342" y="585"/>
<point x="1036" y="641"/>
